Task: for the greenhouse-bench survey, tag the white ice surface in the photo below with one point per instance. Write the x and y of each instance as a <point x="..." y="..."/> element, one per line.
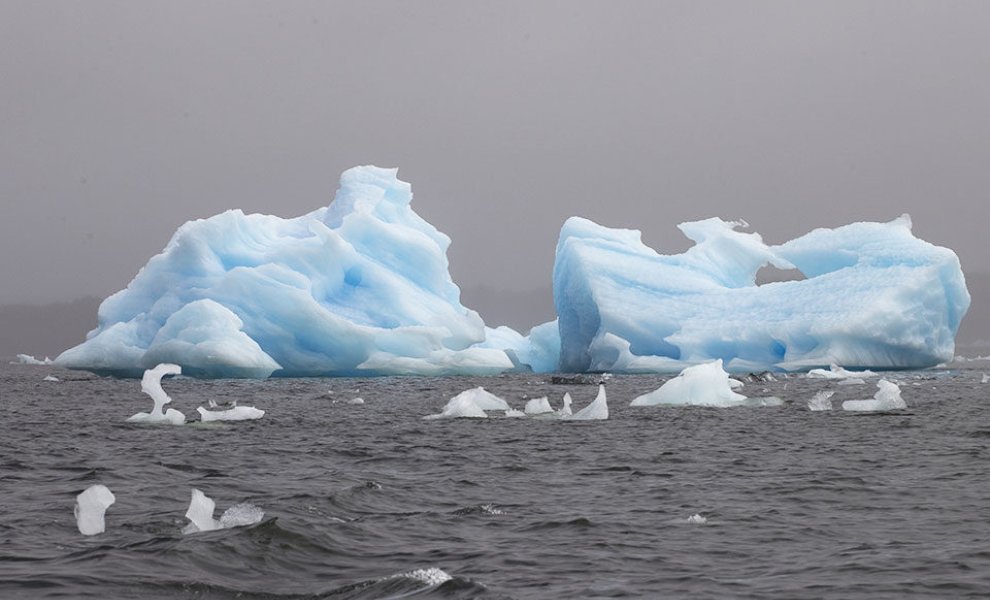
<point x="707" y="384"/>
<point x="596" y="411"/>
<point x="151" y="384"/>
<point x="471" y="403"/>
<point x="238" y="413"/>
<point x="538" y="406"/>
<point x="888" y="397"/>
<point x="91" y="508"/>
<point x="361" y="287"/>
<point x="874" y="296"/>
<point x="200" y="514"/>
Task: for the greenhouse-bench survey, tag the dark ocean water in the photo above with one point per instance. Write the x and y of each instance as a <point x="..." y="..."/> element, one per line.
<point x="371" y="501"/>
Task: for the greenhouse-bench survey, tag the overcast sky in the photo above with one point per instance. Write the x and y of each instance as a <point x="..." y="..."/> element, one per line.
<point x="119" y="121"/>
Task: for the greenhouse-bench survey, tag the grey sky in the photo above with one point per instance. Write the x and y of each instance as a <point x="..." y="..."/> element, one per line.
<point x="122" y="120"/>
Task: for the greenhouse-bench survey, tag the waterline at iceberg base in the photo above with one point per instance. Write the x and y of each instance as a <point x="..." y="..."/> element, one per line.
<point x="362" y="287"/>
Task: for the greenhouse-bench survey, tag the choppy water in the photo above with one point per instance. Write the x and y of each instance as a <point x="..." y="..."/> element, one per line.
<point x="371" y="501"/>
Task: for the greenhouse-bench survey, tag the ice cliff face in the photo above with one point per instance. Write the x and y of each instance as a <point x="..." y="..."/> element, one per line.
<point x="875" y="296"/>
<point x="362" y="287"/>
<point x="358" y="288"/>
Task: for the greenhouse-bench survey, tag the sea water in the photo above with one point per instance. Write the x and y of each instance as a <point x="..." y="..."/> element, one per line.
<point x="372" y="501"/>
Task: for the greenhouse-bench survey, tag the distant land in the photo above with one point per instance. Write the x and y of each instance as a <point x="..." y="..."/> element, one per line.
<point x="47" y="330"/>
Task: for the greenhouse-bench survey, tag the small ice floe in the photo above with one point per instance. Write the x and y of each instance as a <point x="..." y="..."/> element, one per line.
<point x="852" y="381"/>
<point x="596" y="411"/>
<point x="821" y="401"/>
<point x="837" y="372"/>
<point x="538" y="406"/>
<point x="200" y="514"/>
<point x="50" y="378"/>
<point x="697" y="519"/>
<point x="356" y="401"/>
<point x="888" y="397"/>
<point x="151" y="384"/>
<point x="515" y="414"/>
<point x="91" y="506"/>
<point x="238" y="413"/>
<point x="565" y="410"/>
<point x="27" y="359"/>
<point x="986" y="378"/>
<point x="471" y="404"/>
<point x="707" y="384"/>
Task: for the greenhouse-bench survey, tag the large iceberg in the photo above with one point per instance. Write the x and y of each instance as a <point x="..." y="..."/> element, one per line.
<point x="361" y="287"/>
<point x="874" y="296"/>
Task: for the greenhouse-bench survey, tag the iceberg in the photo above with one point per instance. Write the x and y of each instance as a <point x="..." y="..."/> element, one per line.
<point x="874" y="296"/>
<point x="360" y="287"/>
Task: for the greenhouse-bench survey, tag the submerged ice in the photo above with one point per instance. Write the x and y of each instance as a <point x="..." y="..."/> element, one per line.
<point x="362" y="287"/>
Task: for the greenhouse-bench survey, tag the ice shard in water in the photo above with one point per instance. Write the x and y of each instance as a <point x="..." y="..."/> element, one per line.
<point x="874" y="296"/>
<point x="91" y="506"/>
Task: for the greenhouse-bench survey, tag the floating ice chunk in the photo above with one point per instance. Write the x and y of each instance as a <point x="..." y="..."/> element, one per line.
<point x="238" y="413"/>
<point x="706" y="384"/>
<point x="515" y="414"/>
<point x="151" y="384"/>
<point x="986" y="378"/>
<point x="241" y="515"/>
<point x="821" y="400"/>
<point x="27" y="359"/>
<point x="50" y="378"/>
<point x="484" y="399"/>
<point x="538" y="406"/>
<point x="852" y="381"/>
<point x="91" y="506"/>
<point x="837" y="372"/>
<point x="356" y="401"/>
<point x="200" y="514"/>
<point x="565" y="410"/>
<point x="888" y="397"/>
<point x="471" y="403"/>
<point x="875" y="296"/>
<point x="596" y="411"/>
<point x="735" y="384"/>
<point x="697" y="520"/>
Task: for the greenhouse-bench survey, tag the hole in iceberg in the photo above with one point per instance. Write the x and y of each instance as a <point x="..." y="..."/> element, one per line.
<point x="771" y="274"/>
